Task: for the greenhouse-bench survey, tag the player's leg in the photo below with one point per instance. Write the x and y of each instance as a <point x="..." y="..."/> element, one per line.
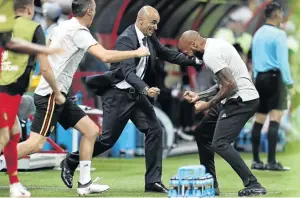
<point x="115" y="116"/>
<point x="203" y="135"/>
<point x="278" y="103"/>
<point x="73" y="116"/>
<point x="4" y="129"/>
<point x="11" y="103"/>
<point x="45" y="118"/>
<point x="232" y="119"/>
<point x="11" y="158"/>
<point x="262" y="85"/>
<point x="33" y="144"/>
<point x="4" y="135"/>
<point x="275" y="119"/>
<point x="256" y="136"/>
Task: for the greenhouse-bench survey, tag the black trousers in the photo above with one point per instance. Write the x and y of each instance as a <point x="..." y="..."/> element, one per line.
<point x="118" y="107"/>
<point x="218" y="130"/>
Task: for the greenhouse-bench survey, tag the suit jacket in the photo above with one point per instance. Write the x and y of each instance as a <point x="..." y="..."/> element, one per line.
<point x="126" y="70"/>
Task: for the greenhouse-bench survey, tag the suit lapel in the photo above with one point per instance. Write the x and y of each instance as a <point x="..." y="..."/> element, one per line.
<point x="133" y="29"/>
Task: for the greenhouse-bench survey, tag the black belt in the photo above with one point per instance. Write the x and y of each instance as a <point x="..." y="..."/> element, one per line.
<point x="128" y="90"/>
<point x="270" y="71"/>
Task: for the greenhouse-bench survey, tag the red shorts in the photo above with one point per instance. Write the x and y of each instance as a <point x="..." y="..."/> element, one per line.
<point x="9" y="107"/>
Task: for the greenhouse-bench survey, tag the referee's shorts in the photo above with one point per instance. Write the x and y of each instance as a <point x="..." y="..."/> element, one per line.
<point x="48" y="113"/>
<point x="272" y="91"/>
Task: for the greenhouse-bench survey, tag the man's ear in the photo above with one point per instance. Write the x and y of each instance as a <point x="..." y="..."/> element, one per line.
<point x="89" y="11"/>
<point x="140" y="20"/>
<point x="28" y="10"/>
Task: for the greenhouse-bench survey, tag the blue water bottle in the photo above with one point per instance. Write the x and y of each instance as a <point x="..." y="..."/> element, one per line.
<point x="201" y="186"/>
<point x="185" y="186"/>
<point x="173" y="190"/>
<point x="197" y="187"/>
<point x="189" y="189"/>
<point x="212" y="187"/>
<point x="206" y="187"/>
<point x="79" y="98"/>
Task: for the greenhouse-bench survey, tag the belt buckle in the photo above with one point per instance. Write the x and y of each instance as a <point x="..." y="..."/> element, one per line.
<point x="131" y="90"/>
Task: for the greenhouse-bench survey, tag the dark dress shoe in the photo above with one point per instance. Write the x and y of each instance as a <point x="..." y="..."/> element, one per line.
<point x="253" y="189"/>
<point x="156" y="187"/>
<point x="216" y="191"/>
<point x="67" y="173"/>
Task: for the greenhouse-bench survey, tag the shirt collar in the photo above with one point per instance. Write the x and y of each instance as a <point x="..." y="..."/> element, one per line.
<point x="206" y="45"/>
<point x="140" y="35"/>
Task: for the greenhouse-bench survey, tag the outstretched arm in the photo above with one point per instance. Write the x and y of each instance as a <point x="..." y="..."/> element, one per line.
<point x="25" y="47"/>
<point x="112" y="56"/>
<point x="164" y="53"/>
<point x="84" y="40"/>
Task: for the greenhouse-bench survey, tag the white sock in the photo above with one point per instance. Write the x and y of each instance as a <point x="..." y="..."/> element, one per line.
<point x="84" y="172"/>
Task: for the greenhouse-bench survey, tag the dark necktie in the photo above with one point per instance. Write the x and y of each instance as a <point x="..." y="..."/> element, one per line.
<point x="144" y="40"/>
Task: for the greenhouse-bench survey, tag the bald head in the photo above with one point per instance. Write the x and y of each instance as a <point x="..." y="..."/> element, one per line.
<point x="147" y="11"/>
<point x="190" y="36"/>
<point x="191" y="42"/>
<point x="147" y="20"/>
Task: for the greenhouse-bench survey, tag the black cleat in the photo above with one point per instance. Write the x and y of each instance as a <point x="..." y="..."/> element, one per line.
<point x="258" y="165"/>
<point x="253" y="190"/>
<point x="67" y="173"/>
<point x="276" y="166"/>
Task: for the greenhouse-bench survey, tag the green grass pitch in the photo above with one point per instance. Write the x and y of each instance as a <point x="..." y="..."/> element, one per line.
<point x="126" y="177"/>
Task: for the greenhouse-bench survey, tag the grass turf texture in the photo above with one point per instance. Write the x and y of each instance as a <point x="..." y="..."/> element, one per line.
<point x="126" y="177"/>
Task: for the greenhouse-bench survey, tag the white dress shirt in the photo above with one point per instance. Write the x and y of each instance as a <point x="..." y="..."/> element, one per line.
<point x="140" y="67"/>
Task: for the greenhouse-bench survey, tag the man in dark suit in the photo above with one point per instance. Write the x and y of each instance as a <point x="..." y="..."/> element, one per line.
<point x="125" y="93"/>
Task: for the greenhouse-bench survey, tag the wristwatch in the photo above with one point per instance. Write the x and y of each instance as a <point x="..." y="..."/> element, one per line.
<point x="144" y="91"/>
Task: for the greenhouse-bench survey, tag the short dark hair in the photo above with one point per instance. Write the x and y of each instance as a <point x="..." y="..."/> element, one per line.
<point x="21" y="4"/>
<point x="80" y="7"/>
<point x="271" y="8"/>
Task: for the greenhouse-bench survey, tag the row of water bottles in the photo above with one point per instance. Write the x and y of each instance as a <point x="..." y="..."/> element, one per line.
<point x="191" y="184"/>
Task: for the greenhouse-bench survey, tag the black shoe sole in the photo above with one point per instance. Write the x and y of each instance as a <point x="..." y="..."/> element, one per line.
<point x="152" y="191"/>
<point x="252" y="192"/>
<point x="62" y="167"/>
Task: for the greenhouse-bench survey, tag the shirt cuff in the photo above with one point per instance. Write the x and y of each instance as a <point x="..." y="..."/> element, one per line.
<point x="197" y="61"/>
